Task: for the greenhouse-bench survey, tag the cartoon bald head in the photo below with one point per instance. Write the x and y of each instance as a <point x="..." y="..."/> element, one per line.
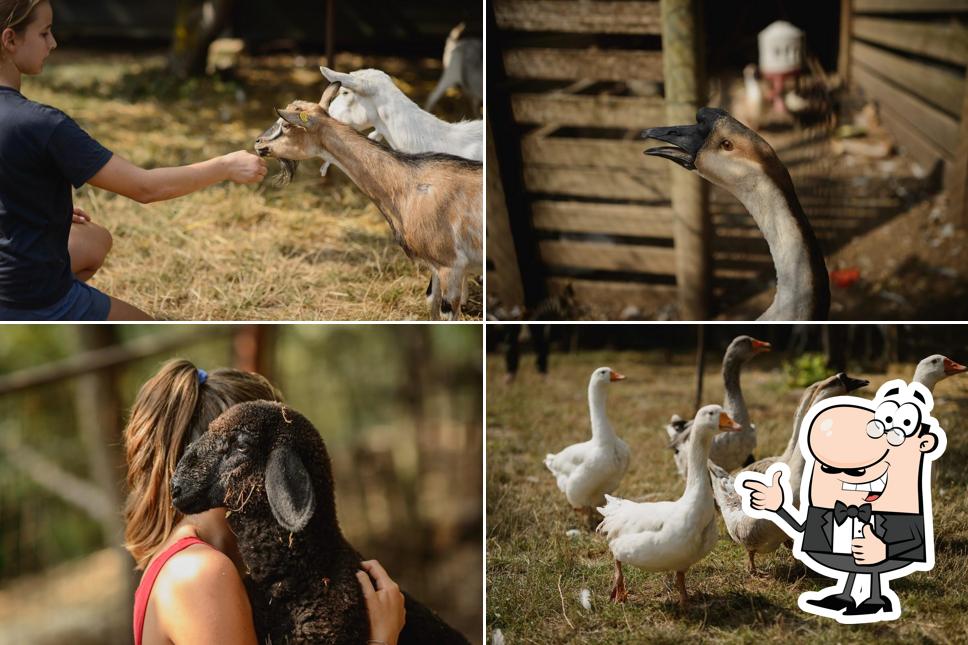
<point x="873" y="453"/>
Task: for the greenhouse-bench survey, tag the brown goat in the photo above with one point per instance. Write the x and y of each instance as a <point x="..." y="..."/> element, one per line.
<point x="432" y="202"/>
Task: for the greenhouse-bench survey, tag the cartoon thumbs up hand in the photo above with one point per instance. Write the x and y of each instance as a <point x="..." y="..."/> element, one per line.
<point x="868" y="549"/>
<point x="763" y="496"/>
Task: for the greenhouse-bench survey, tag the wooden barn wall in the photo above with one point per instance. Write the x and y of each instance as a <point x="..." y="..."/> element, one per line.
<point x="910" y="56"/>
<point x="583" y="79"/>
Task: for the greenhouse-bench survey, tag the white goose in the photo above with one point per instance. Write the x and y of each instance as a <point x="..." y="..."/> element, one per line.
<point x="935" y="368"/>
<point x="762" y="535"/>
<point x="730" y="155"/>
<point x="668" y="536"/>
<point x="734" y="449"/>
<point x="586" y="471"/>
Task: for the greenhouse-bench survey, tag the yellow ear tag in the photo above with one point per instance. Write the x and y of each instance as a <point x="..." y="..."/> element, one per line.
<point x="304" y="117"/>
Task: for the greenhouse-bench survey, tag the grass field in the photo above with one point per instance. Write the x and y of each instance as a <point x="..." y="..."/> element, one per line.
<point x="535" y="573"/>
<point x="316" y="250"/>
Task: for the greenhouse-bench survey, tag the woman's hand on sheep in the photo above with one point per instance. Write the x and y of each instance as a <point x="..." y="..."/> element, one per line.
<point x="80" y="217"/>
<point x="384" y="604"/>
<point x="243" y="167"/>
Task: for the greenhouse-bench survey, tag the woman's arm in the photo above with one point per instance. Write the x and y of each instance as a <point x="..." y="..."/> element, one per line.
<point x="383" y="604"/>
<point x="203" y="600"/>
<point x="158" y="184"/>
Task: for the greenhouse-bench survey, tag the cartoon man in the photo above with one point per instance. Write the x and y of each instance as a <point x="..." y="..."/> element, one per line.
<point x="867" y="494"/>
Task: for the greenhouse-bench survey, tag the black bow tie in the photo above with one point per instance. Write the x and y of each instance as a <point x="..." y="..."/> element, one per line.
<point x="842" y="512"/>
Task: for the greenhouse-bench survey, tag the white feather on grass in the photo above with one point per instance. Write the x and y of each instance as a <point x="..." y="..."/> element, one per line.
<point x="585" y="598"/>
<point x="573" y="533"/>
<point x="497" y="637"/>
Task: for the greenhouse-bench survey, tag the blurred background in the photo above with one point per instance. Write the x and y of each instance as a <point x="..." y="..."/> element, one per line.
<point x="398" y="406"/>
<point x="165" y="83"/>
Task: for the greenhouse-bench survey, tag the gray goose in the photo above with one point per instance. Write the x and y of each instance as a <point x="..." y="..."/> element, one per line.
<point x="728" y="154"/>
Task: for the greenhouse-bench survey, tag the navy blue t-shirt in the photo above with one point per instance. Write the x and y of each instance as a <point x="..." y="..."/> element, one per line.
<point x="43" y="152"/>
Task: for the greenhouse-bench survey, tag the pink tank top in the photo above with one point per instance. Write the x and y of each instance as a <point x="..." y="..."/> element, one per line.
<point x="148" y="581"/>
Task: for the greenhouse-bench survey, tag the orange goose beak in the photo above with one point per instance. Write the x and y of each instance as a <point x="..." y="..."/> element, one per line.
<point x="615" y="376"/>
<point x="951" y="367"/>
<point x="727" y="424"/>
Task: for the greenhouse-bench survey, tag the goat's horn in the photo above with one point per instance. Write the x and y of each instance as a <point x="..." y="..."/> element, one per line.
<point x="348" y="80"/>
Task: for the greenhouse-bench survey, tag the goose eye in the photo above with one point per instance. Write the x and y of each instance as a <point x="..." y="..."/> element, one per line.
<point x="726" y="145"/>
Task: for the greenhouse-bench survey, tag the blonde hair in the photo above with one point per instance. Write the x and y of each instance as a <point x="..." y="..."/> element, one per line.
<point x="17" y="12"/>
<point x="171" y="410"/>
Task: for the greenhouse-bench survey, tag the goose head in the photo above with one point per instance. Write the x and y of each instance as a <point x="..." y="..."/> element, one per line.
<point x="712" y="419"/>
<point x="721" y="149"/>
<point x="746" y="347"/>
<point x="936" y="368"/>
<point x="604" y="375"/>
<point x="837" y="385"/>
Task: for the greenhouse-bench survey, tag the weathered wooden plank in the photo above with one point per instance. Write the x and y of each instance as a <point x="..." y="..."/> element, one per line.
<point x="602" y="153"/>
<point x="608" y="257"/>
<point x="599" y="111"/>
<point x="920" y="149"/>
<point x="598" y="64"/>
<point x="935" y="85"/>
<point x="909" y="6"/>
<point x="947" y="42"/>
<point x="607" y="299"/>
<point x="613" y="183"/>
<point x="935" y="124"/>
<point x="843" y="50"/>
<point x="609" y="219"/>
<point x="573" y="16"/>
<point x="500" y="242"/>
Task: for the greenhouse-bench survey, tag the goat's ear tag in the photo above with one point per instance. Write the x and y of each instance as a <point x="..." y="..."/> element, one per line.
<point x="304" y="117"/>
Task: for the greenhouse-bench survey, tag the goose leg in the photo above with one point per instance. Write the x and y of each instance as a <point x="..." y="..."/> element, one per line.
<point x="590" y="518"/>
<point x="752" y="562"/>
<point x="681" y="586"/>
<point x="619" y="593"/>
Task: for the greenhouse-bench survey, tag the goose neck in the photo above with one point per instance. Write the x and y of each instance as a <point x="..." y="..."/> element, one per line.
<point x="601" y="428"/>
<point x="697" y="478"/>
<point x="734" y="403"/>
<point x="802" y="288"/>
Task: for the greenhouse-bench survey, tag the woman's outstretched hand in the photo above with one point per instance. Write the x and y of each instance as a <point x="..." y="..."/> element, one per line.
<point x="384" y="604"/>
<point x="243" y="167"/>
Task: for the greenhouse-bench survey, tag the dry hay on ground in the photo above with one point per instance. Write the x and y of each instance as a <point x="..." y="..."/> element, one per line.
<point x="317" y="250"/>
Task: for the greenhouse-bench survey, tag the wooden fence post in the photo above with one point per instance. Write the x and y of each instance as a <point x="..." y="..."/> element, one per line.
<point x="843" y="55"/>
<point x="683" y="95"/>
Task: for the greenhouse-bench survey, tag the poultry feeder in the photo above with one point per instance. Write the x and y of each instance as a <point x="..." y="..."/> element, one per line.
<point x="781" y="57"/>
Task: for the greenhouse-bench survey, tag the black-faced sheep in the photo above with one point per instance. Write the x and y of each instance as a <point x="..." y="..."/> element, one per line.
<point x="268" y="465"/>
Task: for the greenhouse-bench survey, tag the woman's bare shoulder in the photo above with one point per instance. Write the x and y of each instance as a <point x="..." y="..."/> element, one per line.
<point x="199" y="594"/>
<point x="198" y="576"/>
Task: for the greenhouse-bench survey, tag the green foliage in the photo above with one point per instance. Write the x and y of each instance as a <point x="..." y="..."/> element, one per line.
<point x="805" y="370"/>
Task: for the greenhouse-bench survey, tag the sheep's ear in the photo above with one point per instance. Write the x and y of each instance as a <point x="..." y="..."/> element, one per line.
<point x="289" y="489"/>
<point x="303" y="120"/>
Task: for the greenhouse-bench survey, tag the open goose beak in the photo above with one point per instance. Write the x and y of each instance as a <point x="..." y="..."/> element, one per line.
<point x="725" y="423"/>
<point x="615" y="376"/>
<point x="951" y="367"/>
<point x="686" y="141"/>
<point x="761" y="346"/>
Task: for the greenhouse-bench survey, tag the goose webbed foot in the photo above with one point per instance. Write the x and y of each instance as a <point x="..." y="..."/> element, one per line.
<point x="619" y="593"/>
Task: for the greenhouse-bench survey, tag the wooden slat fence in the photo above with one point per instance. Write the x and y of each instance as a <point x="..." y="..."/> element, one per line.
<point x="584" y="79"/>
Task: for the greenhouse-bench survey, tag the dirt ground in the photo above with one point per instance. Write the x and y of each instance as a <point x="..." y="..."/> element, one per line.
<point x="536" y="571"/>
<point x="316" y="250"/>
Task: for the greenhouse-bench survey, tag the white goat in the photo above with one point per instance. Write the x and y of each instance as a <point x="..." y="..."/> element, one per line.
<point x="464" y="67"/>
<point x="432" y="202"/>
<point x="368" y="98"/>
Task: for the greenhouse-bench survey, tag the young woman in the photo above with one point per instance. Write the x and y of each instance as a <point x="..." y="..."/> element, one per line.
<point x="192" y="591"/>
<point x="48" y="248"/>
